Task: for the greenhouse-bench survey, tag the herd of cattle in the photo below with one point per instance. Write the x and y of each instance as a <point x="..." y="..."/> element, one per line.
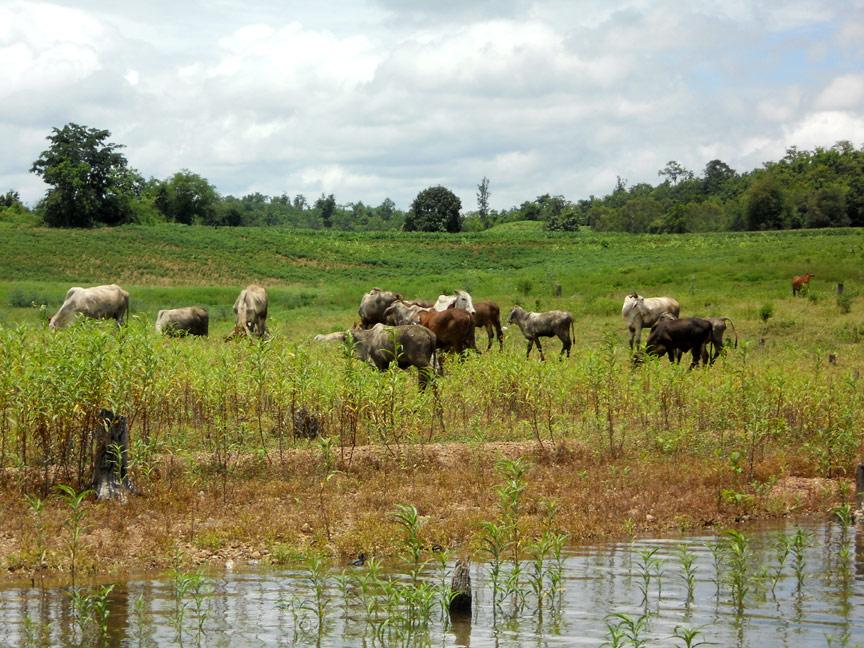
<point x="420" y="329"/>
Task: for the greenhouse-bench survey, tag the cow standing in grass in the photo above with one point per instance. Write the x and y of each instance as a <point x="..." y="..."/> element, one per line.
<point x="798" y="282"/>
<point x="460" y="299"/>
<point x="373" y="304"/>
<point x="643" y="312"/>
<point x="99" y="302"/>
<point x="250" y="312"/>
<point x="677" y="336"/>
<point x="487" y="315"/>
<point x="378" y="346"/>
<point x="191" y="320"/>
<point x="536" y="325"/>
<point x="453" y="329"/>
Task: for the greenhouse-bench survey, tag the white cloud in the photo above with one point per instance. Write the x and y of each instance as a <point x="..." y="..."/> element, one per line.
<point x="843" y="93"/>
<point x="381" y="99"/>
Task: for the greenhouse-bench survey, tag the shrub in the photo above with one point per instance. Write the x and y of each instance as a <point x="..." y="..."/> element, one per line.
<point x="844" y="302"/>
<point x="766" y="312"/>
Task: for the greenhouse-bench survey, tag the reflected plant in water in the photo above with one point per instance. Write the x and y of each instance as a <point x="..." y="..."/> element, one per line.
<point x="738" y="561"/>
<point x="689" y="636"/>
<point x="645" y="566"/>
<point x="90" y="611"/>
<point x="315" y="568"/>
<point x="798" y="545"/>
<point x="781" y="554"/>
<point x="688" y="570"/>
<point x="631" y="628"/>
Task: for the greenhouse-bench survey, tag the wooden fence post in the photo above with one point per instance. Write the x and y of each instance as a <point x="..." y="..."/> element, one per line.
<point x="461" y="587"/>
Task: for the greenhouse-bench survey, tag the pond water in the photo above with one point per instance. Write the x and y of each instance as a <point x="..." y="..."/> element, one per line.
<point x="809" y="594"/>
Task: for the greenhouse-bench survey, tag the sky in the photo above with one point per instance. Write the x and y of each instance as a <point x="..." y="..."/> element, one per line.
<point x="375" y="99"/>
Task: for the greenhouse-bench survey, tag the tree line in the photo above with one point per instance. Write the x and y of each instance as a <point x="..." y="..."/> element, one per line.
<point x="90" y="184"/>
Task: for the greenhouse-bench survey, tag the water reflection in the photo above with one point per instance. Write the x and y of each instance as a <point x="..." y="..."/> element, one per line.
<point x="656" y="588"/>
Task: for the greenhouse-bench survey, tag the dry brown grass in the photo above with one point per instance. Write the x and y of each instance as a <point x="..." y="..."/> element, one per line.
<point x="273" y="508"/>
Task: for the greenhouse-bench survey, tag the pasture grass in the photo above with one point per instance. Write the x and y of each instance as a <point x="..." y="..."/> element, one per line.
<point x="214" y="459"/>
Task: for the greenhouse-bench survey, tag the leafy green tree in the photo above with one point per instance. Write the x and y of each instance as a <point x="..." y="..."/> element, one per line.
<point x="90" y="183"/>
<point x="765" y="204"/>
<point x="828" y="208"/>
<point x="435" y="209"/>
<point x="675" y="172"/>
<point x="188" y="198"/>
<point x="325" y="208"/>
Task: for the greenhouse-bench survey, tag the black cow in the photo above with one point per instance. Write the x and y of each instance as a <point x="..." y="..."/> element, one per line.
<point x="685" y="334"/>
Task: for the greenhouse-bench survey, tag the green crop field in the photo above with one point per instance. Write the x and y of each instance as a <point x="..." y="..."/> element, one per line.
<point x="777" y="405"/>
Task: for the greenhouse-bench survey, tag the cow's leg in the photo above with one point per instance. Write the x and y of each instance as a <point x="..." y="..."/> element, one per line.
<point x="491" y="333"/>
<point x="565" y="345"/>
<point x="696" y="352"/>
<point x="632" y="335"/>
<point x="500" y="336"/>
<point x="530" y="346"/>
<point x="540" y="349"/>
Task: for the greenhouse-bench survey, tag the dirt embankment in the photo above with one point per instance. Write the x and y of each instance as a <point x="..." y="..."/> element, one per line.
<point x="209" y="510"/>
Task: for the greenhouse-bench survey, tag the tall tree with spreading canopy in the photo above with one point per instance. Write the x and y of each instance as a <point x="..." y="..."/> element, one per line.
<point x="90" y="183"/>
<point x="435" y="209"/>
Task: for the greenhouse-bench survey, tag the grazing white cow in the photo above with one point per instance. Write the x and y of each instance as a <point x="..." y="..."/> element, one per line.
<point x="250" y="312"/>
<point x="400" y="313"/>
<point x="460" y="300"/>
<point x="191" y="320"/>
<point x="640" y="312"/>
<point x="338" y="336"/>
<point x="99" y="302"/>
<point x="536" y="325"/>
<point x="373" y="304"/>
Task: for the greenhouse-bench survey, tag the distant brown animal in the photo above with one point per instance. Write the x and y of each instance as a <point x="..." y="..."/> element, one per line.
<point x="799" y="281"/>
<point x="488" y="316"/>
<point x="453" y="328"/>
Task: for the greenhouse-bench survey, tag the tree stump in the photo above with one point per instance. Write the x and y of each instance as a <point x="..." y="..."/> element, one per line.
<point x="306" y="424"/>
<point x="558" y="290"/>
<point x="839" y="288"/>
<point x="461" y="587"/>
<point x="110" y="467"/>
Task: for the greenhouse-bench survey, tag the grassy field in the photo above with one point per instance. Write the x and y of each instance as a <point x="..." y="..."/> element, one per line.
<point x="217" y="468"/>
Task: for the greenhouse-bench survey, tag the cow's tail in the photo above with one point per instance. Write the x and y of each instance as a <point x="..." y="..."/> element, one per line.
<point x="726" y="319"/>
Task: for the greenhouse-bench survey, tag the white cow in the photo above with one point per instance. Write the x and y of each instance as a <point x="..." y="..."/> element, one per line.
<point x="99" y="302"/>
<point x="460" y="300"/>
<point x="250" y="312"/>
<point x="192" y="320"/>
<point x="640" y="312"/>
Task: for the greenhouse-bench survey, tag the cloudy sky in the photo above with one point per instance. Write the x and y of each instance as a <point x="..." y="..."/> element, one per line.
<point x="369" y="99"/>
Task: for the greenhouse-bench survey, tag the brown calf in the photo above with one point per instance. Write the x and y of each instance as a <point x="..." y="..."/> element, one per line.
<point x="799" y="281"/>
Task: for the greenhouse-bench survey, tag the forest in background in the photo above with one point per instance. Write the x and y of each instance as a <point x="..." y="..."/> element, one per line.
<point x="91" y="185"/>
